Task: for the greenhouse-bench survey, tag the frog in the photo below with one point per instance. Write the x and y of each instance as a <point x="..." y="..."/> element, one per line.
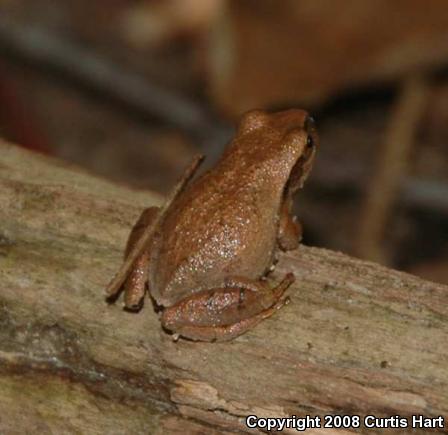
<point x="205" y="256"/>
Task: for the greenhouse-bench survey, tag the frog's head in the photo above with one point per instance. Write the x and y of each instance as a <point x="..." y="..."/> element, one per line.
<point x="285" y="141"/>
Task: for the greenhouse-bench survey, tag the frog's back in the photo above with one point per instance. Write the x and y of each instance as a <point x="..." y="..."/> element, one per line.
<point x="217" y="229"/>
<point x="226" y="222"/>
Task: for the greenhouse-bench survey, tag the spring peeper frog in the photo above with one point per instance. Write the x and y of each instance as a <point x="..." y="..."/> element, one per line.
<point x="205" y="254"/>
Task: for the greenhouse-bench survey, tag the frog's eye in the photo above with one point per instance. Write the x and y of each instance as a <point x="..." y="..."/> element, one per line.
<point x="309" y="141"/>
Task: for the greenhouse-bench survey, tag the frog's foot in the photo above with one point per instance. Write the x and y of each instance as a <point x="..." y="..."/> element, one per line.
<point x="135" y="283"/>
<point x="222" y="314"/>
<point x="290" y="232"/>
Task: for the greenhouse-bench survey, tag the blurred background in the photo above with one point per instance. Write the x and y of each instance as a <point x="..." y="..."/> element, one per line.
<point x="132" y="89"/>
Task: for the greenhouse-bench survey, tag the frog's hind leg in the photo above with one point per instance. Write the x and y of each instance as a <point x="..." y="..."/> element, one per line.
<point x="224" y="313"/>
<point x="227" y="332"/>
<point x="135" y="284"/>
<point x="147" y="233"/>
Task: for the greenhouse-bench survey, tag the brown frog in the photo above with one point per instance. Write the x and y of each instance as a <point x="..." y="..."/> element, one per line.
<point x="206" y="253"/>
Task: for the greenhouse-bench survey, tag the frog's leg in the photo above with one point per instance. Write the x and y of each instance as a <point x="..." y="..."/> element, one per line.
<point x="147" y="233"/>
<point x="135" y="284"/>
<point x="224" y="313"/>
<point x="290" y="229"/>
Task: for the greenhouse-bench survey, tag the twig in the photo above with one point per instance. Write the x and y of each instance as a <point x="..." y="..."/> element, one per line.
<point x="392" y="167"/>
<point x="31" y="44"/>
<point x="414" y="191"/>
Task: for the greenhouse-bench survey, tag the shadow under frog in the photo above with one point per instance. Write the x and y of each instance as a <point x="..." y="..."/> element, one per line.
<point x="204" y="255"/>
